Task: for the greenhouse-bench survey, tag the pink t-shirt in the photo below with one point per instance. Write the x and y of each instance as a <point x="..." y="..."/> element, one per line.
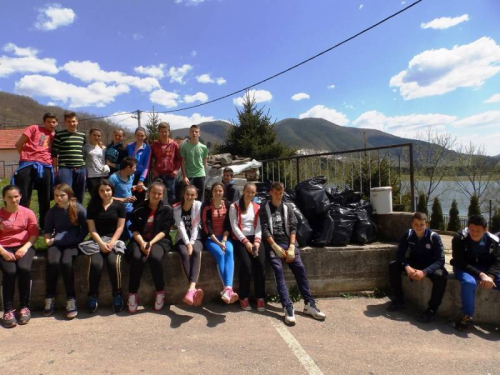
<point x="38" y="145"/>
<point x="17" y="228"/>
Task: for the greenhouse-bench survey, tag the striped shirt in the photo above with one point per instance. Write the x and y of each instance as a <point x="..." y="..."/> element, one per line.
<point x="68" y="148"/>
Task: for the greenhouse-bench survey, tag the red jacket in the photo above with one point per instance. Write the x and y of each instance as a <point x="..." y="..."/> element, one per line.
<point x="166" y="157"/>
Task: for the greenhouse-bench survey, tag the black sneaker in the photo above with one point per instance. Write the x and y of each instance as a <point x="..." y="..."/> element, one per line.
<point x="92" y="304"/>
<point x="396" y="305"/>
<point x="289" y="315"/>
<point x="427" y="316"/>
<point x="464" y="324"/>
<point x="118" y="303"/>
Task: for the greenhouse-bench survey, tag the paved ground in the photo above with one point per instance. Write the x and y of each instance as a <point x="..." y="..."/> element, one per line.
<point x="358" y="337"/>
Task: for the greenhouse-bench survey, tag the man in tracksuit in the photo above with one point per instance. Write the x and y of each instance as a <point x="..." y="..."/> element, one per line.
<point x="476" y="260"/>
<point x="279" y="226"/>
<point x="420" y="255"/>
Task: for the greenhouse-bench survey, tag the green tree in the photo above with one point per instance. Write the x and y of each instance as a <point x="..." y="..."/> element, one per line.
<point x="474" y="208"/>
<point x="422" y="204"/>
<point x="437" y="220"/>
<point x="454" y="222"/>
<point x="254" y="135"/>
<point x="495" y="221"/>
<point x="152" y="126"/>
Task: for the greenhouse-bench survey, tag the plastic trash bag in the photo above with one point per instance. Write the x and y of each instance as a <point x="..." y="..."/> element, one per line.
<point x="311" y="197"/>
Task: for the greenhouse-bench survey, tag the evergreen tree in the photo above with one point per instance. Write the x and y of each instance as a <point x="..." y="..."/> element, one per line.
<point x="474" y="208"/>
<point x="437" y="220"/>
<point x="152" y="126"/>
<point x="422" y="204"/>
<point x="495" y="221"/>
<point x="454" y="222"/>
<point x="254" y="135"/>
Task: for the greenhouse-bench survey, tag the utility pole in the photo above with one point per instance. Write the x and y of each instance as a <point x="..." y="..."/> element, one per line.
<point x="138" y="117"/>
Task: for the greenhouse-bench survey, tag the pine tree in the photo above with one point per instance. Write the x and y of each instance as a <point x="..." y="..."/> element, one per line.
<point x="437" y="220"/>
<point x="254" y="135"/>
<point x="454" y="222"/>
<point x="152" y="126"/>
<point x="474" y="208"/>
<point x="422" y="204"/>
<point x="495" y="221"/>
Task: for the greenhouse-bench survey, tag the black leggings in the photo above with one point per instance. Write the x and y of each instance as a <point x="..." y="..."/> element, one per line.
<point x="140" y="195"/>
<point x="190" y="264"/>
<point x="114" y="262"/>
<point x="137" y="261"/>
<point x="10" y="270"/>
<point x="248" y="266"/>
<point x="60" y="257"/>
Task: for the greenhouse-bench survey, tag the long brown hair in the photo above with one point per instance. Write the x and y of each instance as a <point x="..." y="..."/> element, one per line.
<point x="92" y="131"/>
<point x="72" y="210"/>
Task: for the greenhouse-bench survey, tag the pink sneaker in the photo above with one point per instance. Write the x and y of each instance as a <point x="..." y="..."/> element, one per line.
<point x="261" y="305"/>
<point x="228" y="296"/>
<point x="189" y="297"/>
<point x="132" y="303"/>
<point x="159" y="300"/>
<point x="198" y="297"/>
<point x="245" y="305"/>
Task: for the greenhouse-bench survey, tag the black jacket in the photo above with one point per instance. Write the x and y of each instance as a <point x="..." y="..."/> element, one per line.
<point x="163" y="221"/>
<point x="231" y="192"/>
<point x="424" y="253"/>
<point x="266" y="220"/>
<point x="465" y="261"/>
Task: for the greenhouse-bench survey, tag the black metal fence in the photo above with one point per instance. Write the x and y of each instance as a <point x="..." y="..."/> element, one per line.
<point x="357" y="169"/>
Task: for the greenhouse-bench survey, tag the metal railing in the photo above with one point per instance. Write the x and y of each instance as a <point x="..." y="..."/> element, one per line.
<point x="358" y="169"/>
<point x="7" y="170"/>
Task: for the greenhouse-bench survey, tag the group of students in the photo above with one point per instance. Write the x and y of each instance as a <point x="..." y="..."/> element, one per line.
<point x="117" y="214"/>
<point x="475" y="261"/>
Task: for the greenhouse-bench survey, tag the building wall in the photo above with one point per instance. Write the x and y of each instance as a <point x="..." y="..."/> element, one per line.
<point x="9" y="159"/>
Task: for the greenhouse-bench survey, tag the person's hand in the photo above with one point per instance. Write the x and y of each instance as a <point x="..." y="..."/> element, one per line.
<point x="278" y="250"/>
<point x="49" y="242"/>
<point x="418" y="275"/>
<point x="104" y="247"/>
<point x="147" y="249"/>
<point x="20" y="252"/>
<point x="131" y="199"/>
<point x="222" y="245"/>
<point x="290" y="254"/>
<point x="249" y="247"/>
<point x="110" y="245"/>
<point x="142" y="245"/>
<point x="186" y="181"/>
<point x="409" y="271"/>
<point x="486" y="281"/>
<point x="190" y="248"/>
<point x="8" y="256"/>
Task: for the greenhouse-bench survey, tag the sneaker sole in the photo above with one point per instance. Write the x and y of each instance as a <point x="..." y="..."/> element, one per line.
<point x="4" y="325"/>
<point x="72" y="315"/>
<point x="198" y="298"/>
<point x="187" y="302"/>
<point x="132" y="310"/>
<point x="291" y="324"/>
<point x="159" y="308"/>
<point x="313" y="316"/>
<point x="23" y="323"/>
<point x="47" y="314"/>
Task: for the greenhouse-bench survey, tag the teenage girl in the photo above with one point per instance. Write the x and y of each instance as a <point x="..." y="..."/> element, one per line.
<point x="142" y="153"/>
<point x="95" y="153"/>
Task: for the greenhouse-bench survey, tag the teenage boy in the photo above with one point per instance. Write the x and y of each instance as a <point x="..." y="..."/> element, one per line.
<point x="68" y="156"/>
<point x="116" y="151"/>
<point x="420" y="254"/>
<point x="231" y="191"/>
<point x="193" y="161"/>
<point x="123" y="183"/>
<point x="35" y="164"/>
<point x="476" y="259"/>
<point x="166" y="159"/>
<point x="279" y="226"/>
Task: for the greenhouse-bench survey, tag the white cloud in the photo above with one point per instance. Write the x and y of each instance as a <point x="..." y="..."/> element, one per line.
<point x="96" y="94"/>
<point x="404" y="126"/>
<point x="488" y="119"/>
<point x="494" y="99"/>
<point x="52" y="16"/>
<point x="175" y="121"/>
<point x="329" y="114"/>
<point x="30" y="64"/>
<point x="331" y="87"/>
<point x="260" y="96"/>
<point x="156" y="71"/>
<point x="205" y="78"/>
<point x="19" y="51"/>
<point x="488" y="140"/>
<point x="300" y="96"/>
<point x="137" y="36"/>
<point x="361" y="6"/>
<point x="189" y="2"/>
<point x="198" y="97"/>
<point x="436" y="72"/>
<point x="177" y="74"/>
<point x="348" y="106"/>
<point x="165" y="98"/>
<point x="194" y="53"/>
<point x="444" y="22"/>
<point x="89" y="71"/>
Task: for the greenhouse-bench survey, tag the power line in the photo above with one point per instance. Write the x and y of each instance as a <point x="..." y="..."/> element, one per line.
<point x="296" y="65"/>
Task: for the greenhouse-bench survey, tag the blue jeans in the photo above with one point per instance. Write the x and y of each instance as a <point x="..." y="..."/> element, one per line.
<point x="225" y="260"/>
<point x="469" y="285"/>
<point x="170" y="183"/>
<point x="74" y="177"/>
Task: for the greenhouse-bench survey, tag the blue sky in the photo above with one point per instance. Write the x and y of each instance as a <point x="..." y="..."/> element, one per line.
<point x="435" y="65"/>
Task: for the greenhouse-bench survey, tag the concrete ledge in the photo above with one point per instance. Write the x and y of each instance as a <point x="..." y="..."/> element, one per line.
<point x="487" y="301"/>
<point x="331" y="271"/>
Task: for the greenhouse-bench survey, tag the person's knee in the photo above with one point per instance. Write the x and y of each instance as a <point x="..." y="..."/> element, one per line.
<point x="468" y="281"/>
<point x="440" y="274"/>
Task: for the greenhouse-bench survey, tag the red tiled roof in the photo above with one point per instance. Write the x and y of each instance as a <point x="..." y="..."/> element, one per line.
<point x="9" y="137"/>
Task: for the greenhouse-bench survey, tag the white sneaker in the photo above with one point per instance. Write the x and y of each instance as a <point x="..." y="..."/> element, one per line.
<point x="71" y="310"/>
<point x="311" y="309"/>
<point x="159" y="300"/>
<point x="289" y="316"/>
<point x="132" y="303"/>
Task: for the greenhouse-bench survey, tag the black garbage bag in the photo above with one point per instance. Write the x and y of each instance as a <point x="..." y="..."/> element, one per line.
<point x="344" y="220"/>
<point x="312" y="199"/>
<point x="325" y="235"/>
<point x="365" y="230"/>
<point x="304" y="231"/>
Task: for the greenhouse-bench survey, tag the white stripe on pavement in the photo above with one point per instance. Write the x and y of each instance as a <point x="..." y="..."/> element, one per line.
<point x="297" y="349"/>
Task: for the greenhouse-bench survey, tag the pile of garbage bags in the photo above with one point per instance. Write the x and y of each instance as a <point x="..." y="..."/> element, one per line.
<point x="327" y="216"/>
